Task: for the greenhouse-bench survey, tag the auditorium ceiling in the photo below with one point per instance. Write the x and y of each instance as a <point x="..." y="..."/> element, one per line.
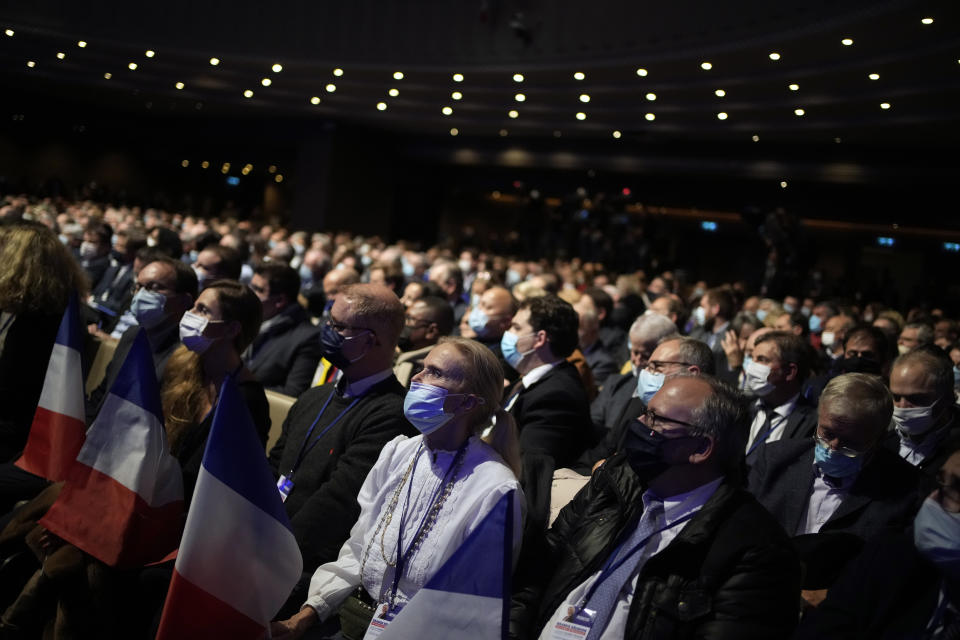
<point x="740" y="70"/>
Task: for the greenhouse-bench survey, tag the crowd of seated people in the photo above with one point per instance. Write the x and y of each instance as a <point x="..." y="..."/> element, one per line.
<point x="691" y="460"/>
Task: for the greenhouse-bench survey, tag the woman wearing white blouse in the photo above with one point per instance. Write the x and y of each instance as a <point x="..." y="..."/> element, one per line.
<point x="424" y="495"/>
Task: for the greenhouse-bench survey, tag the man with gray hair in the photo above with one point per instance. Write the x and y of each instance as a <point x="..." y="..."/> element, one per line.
<point x="913" y="335"/>
<point x="667" y="511"/>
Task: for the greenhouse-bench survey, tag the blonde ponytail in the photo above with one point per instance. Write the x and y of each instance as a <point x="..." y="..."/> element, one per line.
<point x="505" y="441"/>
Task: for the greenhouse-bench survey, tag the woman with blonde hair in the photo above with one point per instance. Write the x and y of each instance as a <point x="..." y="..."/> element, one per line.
<point x="37" y="276"/>
<point x="423" y="497"/>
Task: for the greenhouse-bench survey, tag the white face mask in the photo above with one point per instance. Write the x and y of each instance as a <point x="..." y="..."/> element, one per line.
<point x="88" y="250"/>
<point x="700" y="316"/>
<point x="828" y="338"/>
<point x="192" y="327"/>
<point x="755" y="378"/>
<point x="913" y="421"/>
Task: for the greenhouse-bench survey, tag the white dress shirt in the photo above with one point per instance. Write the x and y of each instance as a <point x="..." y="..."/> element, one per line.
<point x="917" y="452"/>
<point x="823" y="502"/>
<point x="778" y="423"/>
<point x="674" y="508"/>
<point x="482" y="480"/>
<point x="533" y="376"/>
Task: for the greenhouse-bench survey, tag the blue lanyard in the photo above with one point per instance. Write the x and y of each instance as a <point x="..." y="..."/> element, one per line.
<point x="403" y="557"/>
<point x="762" y="437"/>
<point x="304" y="449"/>
<point x="610" y="567"/>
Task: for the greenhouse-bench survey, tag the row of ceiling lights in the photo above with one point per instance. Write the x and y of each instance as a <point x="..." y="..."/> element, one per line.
<point x="247" y="168"/>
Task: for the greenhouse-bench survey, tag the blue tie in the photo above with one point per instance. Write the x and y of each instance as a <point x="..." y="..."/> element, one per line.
<point x="604" y="599"/>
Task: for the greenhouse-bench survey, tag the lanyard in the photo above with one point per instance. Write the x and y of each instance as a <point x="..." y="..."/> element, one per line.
<point x="304" y="448"/>
<point x="403" y="557"/>
<point x="762" y="437"/>
<point x="610" y="567"/>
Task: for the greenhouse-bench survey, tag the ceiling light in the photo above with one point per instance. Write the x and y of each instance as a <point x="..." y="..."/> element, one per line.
<point x="847" y="42"/>
<point x="837" y="140"/>
<point x="278" y="178"/>
<point x="339" y="72"/>
<point x="9" y="33"/>
<point x="720" y="93"/>
<point x="518" y="77"/>
<point x="61" y="55"/>
<point x="722" y="115"/>
<point x="794" y="87"/>
<point x="513" y="113"/>
<point x="581" y="115"/>
<point x="205" y="164"/>
<point x="874" y="76"/>
<point x="617" y="134"/>
<point x="447" y="111"/>
<point x="179" y="85"/>
<point x="185" y="164"/>
<point x="248" y="93"/>
<point x="641" y="72"/>
<point x="651" y="97"/>
<point x="457" y="77"/>
<point x="519" y="97"/>
<point x="214" y="62"/>
<point x="884" y="105"/>
<point x="504" y="133"/>
<point x="107" y="75"/>
<point x="266" y="82"/>
<point x="579" y="75"/>
<point x="277" y="67"/>
<point x="927" y="21"/>
<point x="706" y="66"/>
<point x="381" y="106"/>
<point x="393" y="93"/>
<point x="783" y="184"/>
<point x="584" y="97"/>
<point x="650" y="117"/>
<point x="226" y="167"/>
<point x="454" y="131"/>
<point x="456" y="95"/>
<point x="149" y="53"/>
<point x="272" y="168"/>
<point x="755" y="138"/>
<point x="132" y="66"/>
<point x="398" y="75"/>
<point x="331" y="88"/>
<point x="31" y="64"/>
<point x="774" y="56"/>
<point x="799" y="112"/>
<point x="315" y="100"/>
<point x="82" y="44"/>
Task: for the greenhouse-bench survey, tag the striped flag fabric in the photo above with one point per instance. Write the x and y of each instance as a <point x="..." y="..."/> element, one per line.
<point x="59" y="424"/>
<point x="469" y="597"/>
<point x="122" y="501"/>
<point x="238" y="560"/>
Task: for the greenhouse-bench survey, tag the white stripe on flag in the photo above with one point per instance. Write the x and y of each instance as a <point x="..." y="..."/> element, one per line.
<point x="461" y="616"/>
<point x="127" y="443"/>
<point x="237" y="552"/>
<point x="64" y="368"/>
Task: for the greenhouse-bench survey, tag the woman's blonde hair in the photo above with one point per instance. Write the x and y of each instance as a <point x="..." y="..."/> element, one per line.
<point x="483" y="376"/>
<point x="38" y="272"/>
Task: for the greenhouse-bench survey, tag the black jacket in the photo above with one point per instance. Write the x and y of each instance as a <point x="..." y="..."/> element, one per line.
<point x="730" y="573"/>
<point x="115" y="288"/>
<point x="601" y="362"/>
<point x="611" y="412"/>
<point x="801" y="423"/>
<point x="323" y="503"/>
<point x="930" y="465"/>
<point x="285" y="356"/>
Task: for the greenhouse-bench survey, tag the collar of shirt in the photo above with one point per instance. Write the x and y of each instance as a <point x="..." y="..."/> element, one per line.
<point x="361" y="386"/>
<point x="722" y="329"/>
<point x="533" y="376"/>
<point x="680" y="505"/>
<point x="784" y="409"/>
<point x="835" y="484"/>
<point x="266" y="325"/>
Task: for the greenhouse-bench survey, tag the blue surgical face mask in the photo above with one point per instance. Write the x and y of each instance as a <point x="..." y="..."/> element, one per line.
<point x="805" y="311"/>
<point x="508" y="347"/>
<point x="761" y="314"/>
<point x="513" y="277"/>
<point x="936" y="534"/>
<point x="478" y="321"/>
<point x="956" y="376"/>
<point x="306" y="275"/>
<point x="648" y="384"/>
<point x="835" y="464"/>
<point x="815" y="324"/>
<point x="423" y="407"/>
<point x="789" y="308"/>
<point x="148" y="308"/>
<point x="407" y="268"/>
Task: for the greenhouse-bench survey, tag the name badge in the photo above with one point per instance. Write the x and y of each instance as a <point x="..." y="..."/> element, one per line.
<point x="285" y="486"/>
<point x="381" y="620"/>
<point x="575" y="626"/>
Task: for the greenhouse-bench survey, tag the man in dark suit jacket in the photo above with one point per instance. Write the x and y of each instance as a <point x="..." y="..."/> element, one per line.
<point x="601" y="362"/>
<point x="548" y="403"/>
<point x="843" y="482"/>
<point x="114" y="290"/>
<point x="780" y="363"/>
<point x="712" y="317"/>
<point x="285" y="353"/>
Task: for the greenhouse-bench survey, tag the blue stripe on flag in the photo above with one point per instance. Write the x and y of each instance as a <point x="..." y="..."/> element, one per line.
<point x="235" y="454"/>
<point x="492" y="541"/>
<point x="69" y="333"/>
<point x="137" y="379"/>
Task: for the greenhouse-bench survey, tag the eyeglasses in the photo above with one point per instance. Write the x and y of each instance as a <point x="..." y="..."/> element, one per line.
<point x="657" y="366"/>
<point x="845" y="451"/>
<point x="652" y="420"/>
<point x="340" y="327"/>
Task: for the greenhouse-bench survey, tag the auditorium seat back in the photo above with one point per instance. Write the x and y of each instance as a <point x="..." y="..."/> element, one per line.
<point x="100" y="361"/>
<point x="279" y="407"/>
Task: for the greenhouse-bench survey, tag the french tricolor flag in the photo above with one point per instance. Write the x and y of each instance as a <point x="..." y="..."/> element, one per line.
<point x="122" y="501"/>
<point x="59" y="424"/>
<point x="238" y="560"/>
<point x="469" y="597"/>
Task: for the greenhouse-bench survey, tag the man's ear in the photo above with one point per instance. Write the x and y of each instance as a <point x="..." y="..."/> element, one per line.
<point x="792" y="371"/>
<point x="432" y="331"/>
<point x="704" y="451"/>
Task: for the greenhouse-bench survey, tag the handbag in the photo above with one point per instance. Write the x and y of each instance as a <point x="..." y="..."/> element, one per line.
<point x="355" y="614"/>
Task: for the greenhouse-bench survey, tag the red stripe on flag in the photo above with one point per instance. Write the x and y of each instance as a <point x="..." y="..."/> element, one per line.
<point x="112" y="523"/>
<point x="54" y="442"/>
<point x="190" y="612"/>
